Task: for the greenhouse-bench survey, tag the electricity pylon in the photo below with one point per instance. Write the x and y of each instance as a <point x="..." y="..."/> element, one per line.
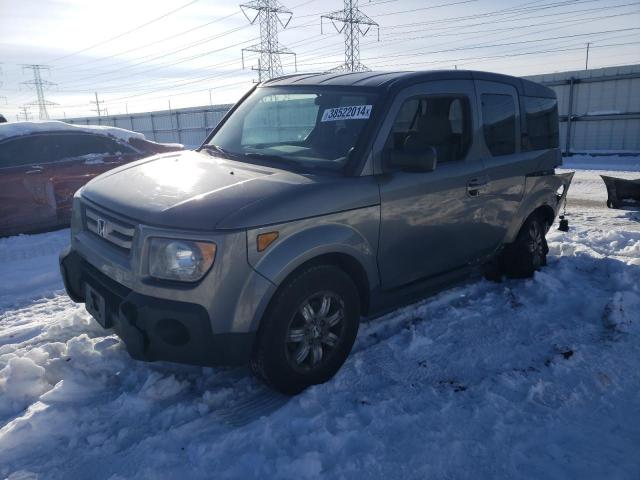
<point x="24" y="115"/>
<point x="271" y="15"/>
<point x="354" y="23"/>
<point x="39" y="84"/>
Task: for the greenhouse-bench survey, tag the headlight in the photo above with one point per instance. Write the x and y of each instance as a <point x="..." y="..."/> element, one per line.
<point x="76" y="214"/>
<point x="181" y="260"/>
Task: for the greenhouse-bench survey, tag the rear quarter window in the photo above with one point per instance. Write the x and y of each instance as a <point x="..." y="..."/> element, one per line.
<point x="541" y="123"/>
<point x="499" y="123"/>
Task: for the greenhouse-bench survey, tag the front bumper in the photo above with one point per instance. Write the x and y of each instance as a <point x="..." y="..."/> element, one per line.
<point x="154" y="328"/>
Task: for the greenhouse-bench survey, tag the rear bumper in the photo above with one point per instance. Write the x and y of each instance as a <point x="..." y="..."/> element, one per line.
<point x="155" y="328"/>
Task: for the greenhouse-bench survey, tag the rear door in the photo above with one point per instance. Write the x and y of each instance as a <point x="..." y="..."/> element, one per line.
<point x="432" y="222"/>
<point x="27" y="201"/>
<point x="506" y="165"/>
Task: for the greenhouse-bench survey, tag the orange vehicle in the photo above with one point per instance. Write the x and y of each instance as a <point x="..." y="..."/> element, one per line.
<point x="42" y="164"/>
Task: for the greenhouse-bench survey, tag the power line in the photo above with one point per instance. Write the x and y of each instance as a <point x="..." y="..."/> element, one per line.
<point x="409" y="53"/>
<point x="270" y="15"/>
<point x="509" y="55"/>
<point x="483" y="33"/>
<point x="164" y="55"/>
<point x="354" y="23"/>
<point x="141" y="47"/>
<point x="455" y="30"/>
<point x="124" y="33"/>
<point x="515" y="11"/>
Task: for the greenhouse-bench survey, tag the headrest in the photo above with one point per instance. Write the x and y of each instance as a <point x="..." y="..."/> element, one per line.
<point x="435" y="130"/>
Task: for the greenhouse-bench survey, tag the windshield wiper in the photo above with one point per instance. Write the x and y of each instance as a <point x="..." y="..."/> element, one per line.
<point x="218" y="149"/>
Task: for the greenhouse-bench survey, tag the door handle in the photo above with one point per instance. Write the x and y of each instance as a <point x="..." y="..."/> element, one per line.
<point x="34" y="169"/>
<point x="476" y="186"/>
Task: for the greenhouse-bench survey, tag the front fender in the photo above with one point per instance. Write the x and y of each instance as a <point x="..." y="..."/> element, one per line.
<point x="353" y="233"/>
<point x="540" y="191"/>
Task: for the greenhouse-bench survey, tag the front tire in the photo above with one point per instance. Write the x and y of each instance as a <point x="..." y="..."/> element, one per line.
<point x="308" y="330"/>
<point x="529" y="251"/>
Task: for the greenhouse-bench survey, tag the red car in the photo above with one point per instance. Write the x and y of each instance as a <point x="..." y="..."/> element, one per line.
<point x="42" y="164"/>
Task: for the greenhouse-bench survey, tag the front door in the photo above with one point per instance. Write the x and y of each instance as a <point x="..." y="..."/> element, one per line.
<point x="432" y="222"/>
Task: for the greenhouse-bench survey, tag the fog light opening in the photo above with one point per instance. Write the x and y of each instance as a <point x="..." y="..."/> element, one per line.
<point x="172" y="332"/>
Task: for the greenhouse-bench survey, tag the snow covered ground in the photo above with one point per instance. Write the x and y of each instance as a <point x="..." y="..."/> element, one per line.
<point x="523" y="379"/>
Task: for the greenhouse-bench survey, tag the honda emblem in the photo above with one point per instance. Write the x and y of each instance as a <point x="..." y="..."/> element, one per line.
<point x="102" y="227"/>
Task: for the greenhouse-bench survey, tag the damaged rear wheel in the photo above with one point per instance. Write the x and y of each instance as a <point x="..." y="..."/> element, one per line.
<point x="529" y="251"/>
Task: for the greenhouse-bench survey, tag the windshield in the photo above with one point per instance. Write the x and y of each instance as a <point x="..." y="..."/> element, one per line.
<point x="316" y="128"/>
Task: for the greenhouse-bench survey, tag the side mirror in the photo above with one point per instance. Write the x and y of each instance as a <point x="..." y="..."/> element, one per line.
<point x="413" y="160"/>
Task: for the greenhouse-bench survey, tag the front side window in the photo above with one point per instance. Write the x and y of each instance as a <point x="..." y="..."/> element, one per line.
<point x="442" y="122"/>
<point x="499" y="119"/>
<point x="22" y="151"/>
<point x="542" y="123"/>
<point x="292" y="125"/>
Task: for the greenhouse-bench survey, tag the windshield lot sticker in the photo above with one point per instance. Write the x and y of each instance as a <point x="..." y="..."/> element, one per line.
<point x="354" y="112"/>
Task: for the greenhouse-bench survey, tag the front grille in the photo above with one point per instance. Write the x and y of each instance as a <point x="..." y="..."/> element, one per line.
<point x="109" y="227"/>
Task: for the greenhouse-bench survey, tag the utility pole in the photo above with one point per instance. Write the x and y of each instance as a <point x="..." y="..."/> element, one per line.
<point x="211" y="97"/>
<point x="353" y="24"/>
<point x="586" y="63"/>
<point x="25" y="115"/>
<point x="97" y="103"/>
<point x="270" y="15"/>
<point x="40" y="85"/>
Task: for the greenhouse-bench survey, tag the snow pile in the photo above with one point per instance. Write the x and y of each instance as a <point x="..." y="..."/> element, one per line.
<point x="15" y="129"/>
<point x="523" y="379"/>
<point x="21" y="382"/>
<point x="614" y="162"/>
<point x="29" y="267"/>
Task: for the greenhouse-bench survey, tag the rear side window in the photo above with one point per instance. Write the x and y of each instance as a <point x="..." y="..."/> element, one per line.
<point x="542" y="123"/>
<point x="76" y="145"/>
<point x="443" y="123"/>
<point x="499" y="119"/>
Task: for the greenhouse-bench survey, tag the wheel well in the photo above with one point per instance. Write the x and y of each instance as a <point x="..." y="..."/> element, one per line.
<point x="546" y="212"/>
<point x="350" y="266"/>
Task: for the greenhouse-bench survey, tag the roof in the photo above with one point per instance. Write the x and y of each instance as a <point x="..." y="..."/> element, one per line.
<point x="16" y="129"/>
<point x="392" y="80"/>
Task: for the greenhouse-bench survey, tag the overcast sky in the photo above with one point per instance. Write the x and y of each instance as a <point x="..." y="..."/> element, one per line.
<point x="196" y="50"/>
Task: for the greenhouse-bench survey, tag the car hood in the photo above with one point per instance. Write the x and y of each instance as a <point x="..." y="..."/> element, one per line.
<point x="197" y="191"/>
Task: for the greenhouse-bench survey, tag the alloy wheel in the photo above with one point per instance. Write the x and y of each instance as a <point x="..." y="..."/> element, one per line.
<point x="536" y="244"/>
<point x="315" y="330"/>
